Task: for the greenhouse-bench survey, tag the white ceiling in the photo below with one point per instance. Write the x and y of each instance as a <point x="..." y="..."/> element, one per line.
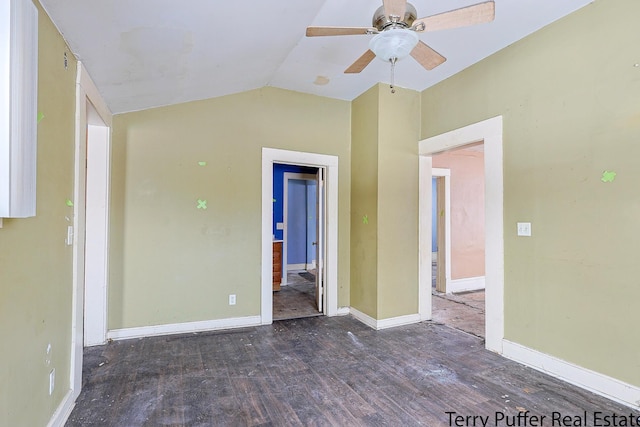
<point x="149" y="53"/>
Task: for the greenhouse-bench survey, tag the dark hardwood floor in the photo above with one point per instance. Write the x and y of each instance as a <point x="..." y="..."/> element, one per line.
<point x="316" y="371"/>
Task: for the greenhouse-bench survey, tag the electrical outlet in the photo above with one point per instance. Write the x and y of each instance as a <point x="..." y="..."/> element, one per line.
<point x="524" y="229"/>
<point x="232" y="299"/>
<point x="52" y="381"/>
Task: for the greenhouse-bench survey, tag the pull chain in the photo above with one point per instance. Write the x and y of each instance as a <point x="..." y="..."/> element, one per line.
<point x="393" y="69"/>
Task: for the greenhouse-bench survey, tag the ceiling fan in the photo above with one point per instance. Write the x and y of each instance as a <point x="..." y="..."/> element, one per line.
<point x="395" y="26"/>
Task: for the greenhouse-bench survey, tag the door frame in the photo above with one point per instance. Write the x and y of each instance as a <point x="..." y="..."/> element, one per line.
<point x="96" y="248"/>
<point x="444" y="173"/>
<point x="489" y="131"/>
<point x="330" y="164"/>
<point x="86" y="92"/>
<point x="285" y="214"/>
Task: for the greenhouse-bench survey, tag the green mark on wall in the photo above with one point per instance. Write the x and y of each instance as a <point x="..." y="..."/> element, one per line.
<point x="69" y="203"/>
<point x="202" y="163"/>
<point x="40" y="117"/>
<point x="608" y="176"/>
<point x="202" y="204"/>
<point x="365" y="219"/>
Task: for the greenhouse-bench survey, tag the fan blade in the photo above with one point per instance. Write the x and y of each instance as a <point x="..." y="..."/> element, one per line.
<point x="395" y="8"/>
<point x="339" y="31"/>
<point x="361" y="63"/>
<point x="470" y="15"/>
<point x="426" y="56"/>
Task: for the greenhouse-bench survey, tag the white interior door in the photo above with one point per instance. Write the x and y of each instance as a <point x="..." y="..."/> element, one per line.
<point x="96" y="235"/>
<point x="320" y="239"/>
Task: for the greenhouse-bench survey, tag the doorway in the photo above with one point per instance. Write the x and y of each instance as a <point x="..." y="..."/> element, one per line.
<point x="490" y="132"/>
<point x="440" y="228"/>
<point x="458" y="211"/>
<point x="96" y="242"/>
<point x="327" y="262"/>
<point x="296" y="225"/>
<point x="93" y="128"/>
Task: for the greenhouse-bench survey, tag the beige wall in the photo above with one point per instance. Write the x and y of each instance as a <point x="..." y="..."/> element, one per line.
<point x="569" y="98"/>
<point x="174" y="263"/>
<point x="467" y="210"/>
<point x="384" y="260"/>
<point x="364" y="202"/>
<point x="398" y="202"/>
<point x="35" y="263"/>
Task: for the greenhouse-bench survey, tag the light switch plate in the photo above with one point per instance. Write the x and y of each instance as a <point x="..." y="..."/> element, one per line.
<point x="524" y="229"/>
<point x="279" y="225"/>
<point x="69" y="240"/>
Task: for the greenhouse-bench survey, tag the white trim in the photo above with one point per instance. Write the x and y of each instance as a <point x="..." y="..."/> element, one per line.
<point x="343" y="311"/>
<point x="96" y="248"/>
<point x="446" y="173"/>
<point x="466" y="284"/>
<point x="93" y="95"/>
<point x="330" y="163"/>
<point x="86" y="91"/>
<point x="595" y="382"/>
<point x="62" y="412"/>
<point x="364" y="318"/>
<point x="441" y="172"/>
<point x="489" y="131"/>
<point x="184" y="328"/>
<point x="384" y="323"/>
<point x="391" y="322"/>
<point x="425" y="233"/>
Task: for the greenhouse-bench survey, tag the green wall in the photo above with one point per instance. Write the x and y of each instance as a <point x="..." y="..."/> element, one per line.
<point x="35" y="263"/>
<point x="174" y="263"/>
<point x="364" y="202"/>
<point x="384" y="188"/>
<point x="398" y="202"/>
<point x="569" y="97"/>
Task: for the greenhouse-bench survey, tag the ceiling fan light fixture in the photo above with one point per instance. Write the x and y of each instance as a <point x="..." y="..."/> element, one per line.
<point x="393" y="43"/>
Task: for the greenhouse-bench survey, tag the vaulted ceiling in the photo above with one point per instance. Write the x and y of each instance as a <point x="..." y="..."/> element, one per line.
<point x="149" y="53"/>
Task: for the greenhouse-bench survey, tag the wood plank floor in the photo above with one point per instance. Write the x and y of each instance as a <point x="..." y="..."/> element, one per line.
<point x="297" y="299"/>
<point x="316" y="371"/>
<point x="464" y="311"/>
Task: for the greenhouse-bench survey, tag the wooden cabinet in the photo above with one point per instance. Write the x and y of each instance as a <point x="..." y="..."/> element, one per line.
<point x="277" y="265"/>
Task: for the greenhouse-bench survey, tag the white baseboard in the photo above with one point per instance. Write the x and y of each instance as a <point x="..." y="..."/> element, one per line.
<point x="384" y="323"/>
<point x="465" y="285"/>
<point x="293" y="267"/>
<point x="364" y="318"/>
<point x="343" y="311"/>
<point x="595" y="382"/>
<point x="183" y="328"/>
<point x="60" y="416"/>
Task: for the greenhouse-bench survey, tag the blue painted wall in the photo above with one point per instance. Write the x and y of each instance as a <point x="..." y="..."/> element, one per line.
<point x="301" y="214"/>
<point x="278" y="191"/>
